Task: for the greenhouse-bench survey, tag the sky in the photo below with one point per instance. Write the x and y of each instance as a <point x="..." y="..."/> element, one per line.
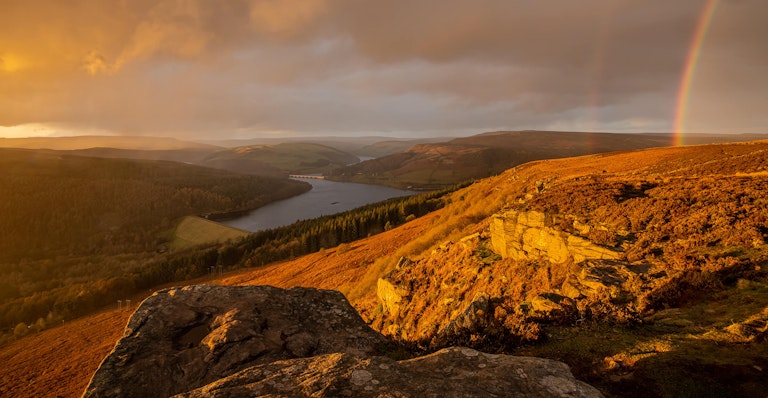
<point x="202" y="69"/>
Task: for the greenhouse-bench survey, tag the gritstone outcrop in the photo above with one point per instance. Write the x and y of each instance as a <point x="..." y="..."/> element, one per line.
<point x="218" y="341"/>
<point x="524" y="235"/>
<point x="184" y="338"/>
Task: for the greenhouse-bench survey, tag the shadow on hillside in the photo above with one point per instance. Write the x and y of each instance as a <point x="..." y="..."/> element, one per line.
<point x="678" y="373"/>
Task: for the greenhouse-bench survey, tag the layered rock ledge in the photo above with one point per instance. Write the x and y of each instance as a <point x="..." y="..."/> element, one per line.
<point x="525" y="235"/>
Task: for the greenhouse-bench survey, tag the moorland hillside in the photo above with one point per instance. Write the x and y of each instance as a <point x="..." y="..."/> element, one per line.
<point x="645" y="271"/>
<point x="433" y="165"/>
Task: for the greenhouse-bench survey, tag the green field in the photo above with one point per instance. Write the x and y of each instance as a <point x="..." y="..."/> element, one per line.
<point x="194" y="231"/>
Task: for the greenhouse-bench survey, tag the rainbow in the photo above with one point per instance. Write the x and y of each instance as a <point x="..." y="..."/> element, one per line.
<point x="694" y="50"/>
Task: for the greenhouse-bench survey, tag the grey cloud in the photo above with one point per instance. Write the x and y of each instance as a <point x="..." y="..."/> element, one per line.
<point x="198" y="67"/>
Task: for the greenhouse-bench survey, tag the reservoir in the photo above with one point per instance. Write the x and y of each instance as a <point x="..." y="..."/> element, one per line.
<point x="325" y="198"/>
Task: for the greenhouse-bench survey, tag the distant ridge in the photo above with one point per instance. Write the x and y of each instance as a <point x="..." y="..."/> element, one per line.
<point x="435" y="165"/>
<point x="96" y="141"/>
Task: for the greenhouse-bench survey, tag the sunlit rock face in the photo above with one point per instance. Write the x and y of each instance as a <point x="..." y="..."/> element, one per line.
<point x="214" y="341"/>
<point x="525" y="235"/>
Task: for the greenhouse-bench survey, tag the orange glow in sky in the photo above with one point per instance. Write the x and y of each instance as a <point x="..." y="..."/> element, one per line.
<point x="236" y="69"/>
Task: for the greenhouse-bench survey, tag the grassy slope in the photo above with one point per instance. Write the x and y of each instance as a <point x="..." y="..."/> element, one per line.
<point x="193" y="231"/>
<point x="700" y="348"/>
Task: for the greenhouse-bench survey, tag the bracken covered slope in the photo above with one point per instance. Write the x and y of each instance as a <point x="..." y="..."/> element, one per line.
<point x="432" y="165"/>
<point x="674" y="303"/>
<point x="664" y="250"/>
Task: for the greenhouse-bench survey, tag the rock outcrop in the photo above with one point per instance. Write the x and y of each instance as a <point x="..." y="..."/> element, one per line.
<point x="212" y="341"/>
<point x="524" y="235"/>
<point x="451" y="372"/>
<point x="184" y="338"/>
<point x="597" y="276"/>
<point x="391" y="295"/>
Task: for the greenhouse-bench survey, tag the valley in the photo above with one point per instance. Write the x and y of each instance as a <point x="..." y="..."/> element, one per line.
<point x="325" y="198"/>
<point x="82" y="231"/>
<point x="312" y="198"/>
<point x="644" y="271"/>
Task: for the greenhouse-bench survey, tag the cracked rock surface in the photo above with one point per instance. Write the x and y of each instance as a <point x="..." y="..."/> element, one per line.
<point x="184" y="338"/>
<point x="451" y="372"/>
<point x="213" y="341"/>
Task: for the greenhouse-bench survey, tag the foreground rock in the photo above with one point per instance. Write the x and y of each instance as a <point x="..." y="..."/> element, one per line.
<point x="451" y="372"/>
<point x="202" y="341"/>
<point x="184" y="338"/>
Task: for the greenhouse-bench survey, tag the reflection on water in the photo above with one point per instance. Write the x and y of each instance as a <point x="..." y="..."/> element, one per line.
<point x="325" y="198"/>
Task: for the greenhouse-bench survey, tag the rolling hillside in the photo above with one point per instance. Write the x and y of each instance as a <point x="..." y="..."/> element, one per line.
<point x="77" y="229"/>
<point x="280" y="159"/>
<point x="55" y="205"/>
<point x="276" y="159"/>
<point x="645" y="271"/>
<point x="390" y="147"/>
<point x="435" y="165"/>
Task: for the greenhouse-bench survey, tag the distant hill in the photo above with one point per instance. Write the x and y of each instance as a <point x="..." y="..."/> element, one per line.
<point x="345" y="144"/>
<point x="285" y="158"/>
<point x="117" y="142"/>
<point x="64" y="204"/>
<point x="429" y="166"/>
<point x="183" y="155"/>
<point x="389" y="147"/>
<point x="366" y="146"/>
<point x="271" y="160"/>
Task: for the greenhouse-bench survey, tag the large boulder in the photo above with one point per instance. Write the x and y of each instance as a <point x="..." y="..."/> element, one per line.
<point x="451" y="372"/>
<point x="183" y="338"/>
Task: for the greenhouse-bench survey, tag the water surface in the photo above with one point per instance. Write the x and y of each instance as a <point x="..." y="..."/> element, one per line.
<point x="325" y="198"/>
